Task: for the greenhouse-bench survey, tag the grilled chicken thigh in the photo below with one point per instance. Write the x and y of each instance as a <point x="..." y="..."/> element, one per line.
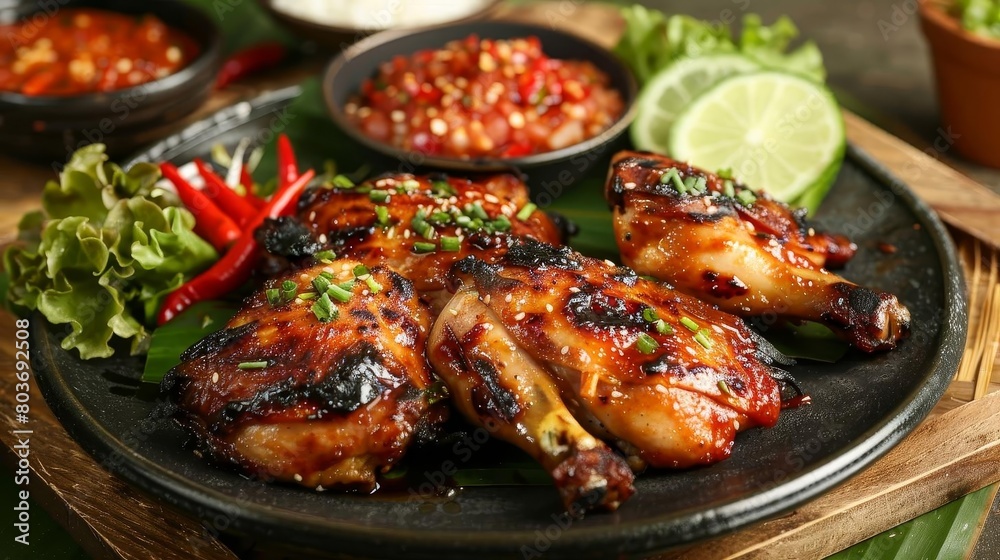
<point x="419" y="226"/>
<point x="317" y="391"/>
<point x="669" y="376"/>
<point x="498" y="386"/>
<point x="715" y="239"/>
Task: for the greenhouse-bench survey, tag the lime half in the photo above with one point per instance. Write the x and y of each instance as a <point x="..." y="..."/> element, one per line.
<point x="777" y="132"/>
<point x="673" y="89"/>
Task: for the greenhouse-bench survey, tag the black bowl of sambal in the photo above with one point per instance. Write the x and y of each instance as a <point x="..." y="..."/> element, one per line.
<point x="82" y="71"/>
<point x="485" y="96"/>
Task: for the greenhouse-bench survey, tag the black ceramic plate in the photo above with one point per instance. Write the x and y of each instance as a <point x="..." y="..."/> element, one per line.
<point x="862" y="406"/>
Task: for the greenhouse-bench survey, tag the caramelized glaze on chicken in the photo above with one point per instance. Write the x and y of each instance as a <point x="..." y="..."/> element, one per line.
<point x="285" y="395"/>
<point x="475" y="212"/>
<point x="746" y="253"/>
<point x="500" y="387"/>
<point x="670" y="376"/>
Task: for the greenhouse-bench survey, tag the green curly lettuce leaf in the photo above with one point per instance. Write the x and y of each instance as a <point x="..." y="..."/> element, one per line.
<point x="102" y="253"/>
<point x="653" y="40"/>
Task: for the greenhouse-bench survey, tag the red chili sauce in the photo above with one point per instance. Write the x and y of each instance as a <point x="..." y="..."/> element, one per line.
<point x="77" y="51"/>
<point x="485" y="98"/>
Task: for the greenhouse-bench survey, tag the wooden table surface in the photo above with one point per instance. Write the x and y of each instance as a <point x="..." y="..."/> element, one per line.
<point x="908" y="481"/>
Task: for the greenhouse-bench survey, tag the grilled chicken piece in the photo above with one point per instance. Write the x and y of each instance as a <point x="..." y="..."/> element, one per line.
<point x="750" y="258"/>
<point x="498" y="386"/>
<point x="347" y="221"/>
<point x="283" y="395"/>
<point x="676" y="396"/>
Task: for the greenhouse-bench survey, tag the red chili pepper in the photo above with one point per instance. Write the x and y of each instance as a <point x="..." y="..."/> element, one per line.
<point x="211" y="223"/>
<point x="288" y="169"/>
<point x="247" y="181"/>
<point x="237" y="207"/>
<point x="247" y="61"/>
<point x="234" y="268"/>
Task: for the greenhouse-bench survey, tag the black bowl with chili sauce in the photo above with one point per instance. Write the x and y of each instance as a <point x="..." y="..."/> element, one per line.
<point x="51" y="126"/>
<point x="549" y="172"/>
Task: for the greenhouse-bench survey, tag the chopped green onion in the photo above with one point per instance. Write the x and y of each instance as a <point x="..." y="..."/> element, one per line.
<point x="425" y="230"/>
<point x="649" y="315"/>
<point x="360" y="271"/>
<point x="463" y="221"/>
<point x="724" y="387"/>
<point x="646" y="344"/>
<point x="373" y="285"/>
<point x="443" y="189"/>
<point x="349" y="285"/>
<point x="703" y="338"/>
<point x="206" y="321"/>
<point x="746" y="198"/>
<point x="502" y="223"/>
<point x="700" y="185"/>
<point x="690" y="324"/>
<point x="668" y="176"/>
<point x="663" y="328"/>
<point x="422" y="247"/>
<point x="440" y="217"/>
<point x="679" y="183"/>
<point x="378" y="195"/>
<point x="325" y="256"/>
<point x="410" y="184"/>
<point x="253" y="365"/>
<point x="382" y="213"/>
<point x="342" y="181"/>
<point x="307" y="295"/>
<point x="476" y="224"/>
<point x="273" y="296"/>
<point x="527" y="211"/>
<point x="690" y="182"/>
<point x="450" y="244"/>
<point x="320" y="283"/>
<point x="288" y="290"/>
<point x="476" y="211"/>
<point x="324" y="309"/>
<point x="725" y="173"/>
<point x="338" y="293"/>
<point x="326" y="274"/>
<point x="728" y="189"/>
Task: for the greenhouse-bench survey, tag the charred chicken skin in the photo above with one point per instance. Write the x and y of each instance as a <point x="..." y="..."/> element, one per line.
<point x="419" y="226"/>
<point x="750" y="255"/>
<point x="320" y="396"/>
<point x="498" y="386"/>
<point x="670" y="378"/>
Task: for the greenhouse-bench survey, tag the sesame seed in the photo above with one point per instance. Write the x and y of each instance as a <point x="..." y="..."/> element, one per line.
<point x="397" y="116"/>
<point x="322" y="238"/>
<point x="608" y="262"/>
<point x="516" y="120"/>
<point x="548" y="307"/>
<point x="491" y="199"/>
<point x="303" y="276"/>
<point x="617" y="394"/>
<point x="297" y="477"/>
<point x="564" y="351"/>
<point x="661" y="389"/>
<point x="406" y="234"/>
<point x="312" y="215"/>
<point x="629" y="185"/>
<point x="508" y="298"/>
<point x="574" y="289"/>
<point x="736" y="425"/>
<point x="486" y="299"/>
<point x="453" y="311"/>
<point x="215" y="377"/>
<point x="519" y="316"/>
<point x="439" y="127"/>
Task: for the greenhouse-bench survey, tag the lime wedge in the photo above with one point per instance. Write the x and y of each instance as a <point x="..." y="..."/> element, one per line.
<point x="777" y="132"/>
<point x="673" y="89"/>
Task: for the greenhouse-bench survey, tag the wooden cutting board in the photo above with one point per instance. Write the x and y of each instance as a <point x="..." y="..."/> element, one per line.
<point x="111" y="519"/>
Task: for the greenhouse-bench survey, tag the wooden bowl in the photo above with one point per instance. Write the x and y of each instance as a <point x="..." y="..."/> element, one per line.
<point x="967" y="71"/>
